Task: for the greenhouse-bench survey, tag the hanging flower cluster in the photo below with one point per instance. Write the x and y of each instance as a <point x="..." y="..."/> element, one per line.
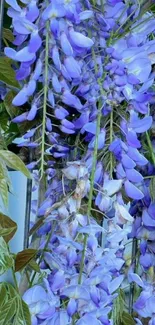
<point x="86" y="76"/>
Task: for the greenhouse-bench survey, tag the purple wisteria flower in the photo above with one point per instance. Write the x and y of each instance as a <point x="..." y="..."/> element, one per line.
<point x="86" y="86"/>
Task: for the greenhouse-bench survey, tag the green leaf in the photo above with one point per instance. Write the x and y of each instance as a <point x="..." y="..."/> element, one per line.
<point x="6" y="231"/>
<point x="34" y="266"/>
<point x="25" y="313"/>
<point x="4" y="120"/>
<point x="7" y="227"/>
<point x="118" y="308"/>
<point x="6" y="260"/>
<point x="8" y="311"/>
<point x="127" y="319"/>
<point x="13" y="311"/>
<point x="3" y="294"/>
<point x="11" y="291"/>
<point x="7" y="74"/>
<point x="4" y="191"/>
<point x="11" y="110"/>
<point x="23" y="258"/>
<point x="152" y="188"/>
<point x="13" y="161"/>
<point x="4" y="174"/>
<point x="7" y="34"/>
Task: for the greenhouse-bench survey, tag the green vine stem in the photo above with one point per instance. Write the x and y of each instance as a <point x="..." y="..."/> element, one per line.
<point x="95" y="152"/>
<point x="150" y="148"/>
<point x="44" y="102"/>
<point x="111" y="138"/>
<point x="15" y="279"/>
<point x="91" y="189"/>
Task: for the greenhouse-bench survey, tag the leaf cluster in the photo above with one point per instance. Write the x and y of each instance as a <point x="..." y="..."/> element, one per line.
<point x="13" y="310"/>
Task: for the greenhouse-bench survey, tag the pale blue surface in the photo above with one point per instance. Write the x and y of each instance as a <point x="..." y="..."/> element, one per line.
<point x="16" y="211"/>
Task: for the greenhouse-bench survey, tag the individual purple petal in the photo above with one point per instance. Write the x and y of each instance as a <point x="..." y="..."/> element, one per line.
<point x="136" y="68"/>
<point x="34" y="294"/>
<point x="132" y="191"/>
<point x="56" y="57"/>
<point x="66" y="75"/>
<point x="79" y="39"/>
<point x="92" y="243"/>
<point x="101" y="141"/>
<point x="29" y="134"/>
<point x="132" y="139"/>
<point x="65" y="44"/>
<point x="147" y="220"/>
<point x="31" y="165"/>
<point x="140" y="303"/>
<point x="53" y="10"/>
<point x="37" y="70"/>
<point x="19" y="39"/>
<point x="72" y="67"/>
<point x="51" y="98"/>
<point x="58" y="281"/>
<point x="22" y="56"/>
<point x="76" y="292"/>
<point x="23" y="72"/>
<point x="82" y="89"/>
<point x="66" y="130"/>
<point x="21" y="98"/>
<point x="10" y="53"/>
<point x="86" y="14"/>
<point x="134" y="154"/>
<point x="13" y="4"/>
<point x="71" y="257"/>
<point x="35" y="42"/>
<point x="23" y="26"/>
<point x="122" y="213"/>
<point x="60" y="113"/>
<point x="71" y="100"/>
<point x="88" y="319"/>
<point x="133" y="175"/>
<point x="33" y="112"/>
<point x="91" y="229"/>
<point x="143" y="246"/>
<point x="48" y="313"/>
<point x="28" y="144"/>
<point x="72" y="307"/>
<point x="120" y="171"/>
<point x="80" y="122"/>
<point x="146" y="261"/>
<point x="132" y="79"/>
<point x="133" y="277"/>
<point x="115" y="284"/>
<point x="95" y="295"/>
<point x="54" y="26"/>
<point x="33" y="11"/>
<point x="48" y="124"/>
<point x="112" y="186"/>
<point x="20" y="118"/>
<point x="56" y="84"/>
<point x="31" y="87"/>
<point x="67" y="124"/>
<point x="90" y="127"/>
<point x="127" y="162"/>
<point x="141" y="125"/>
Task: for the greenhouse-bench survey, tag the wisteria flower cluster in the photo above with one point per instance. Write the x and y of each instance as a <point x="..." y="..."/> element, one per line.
<point x="86" y="76"/>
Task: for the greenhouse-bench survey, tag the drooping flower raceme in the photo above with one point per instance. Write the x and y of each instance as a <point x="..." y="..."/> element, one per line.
<point x="87" y="92"/>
